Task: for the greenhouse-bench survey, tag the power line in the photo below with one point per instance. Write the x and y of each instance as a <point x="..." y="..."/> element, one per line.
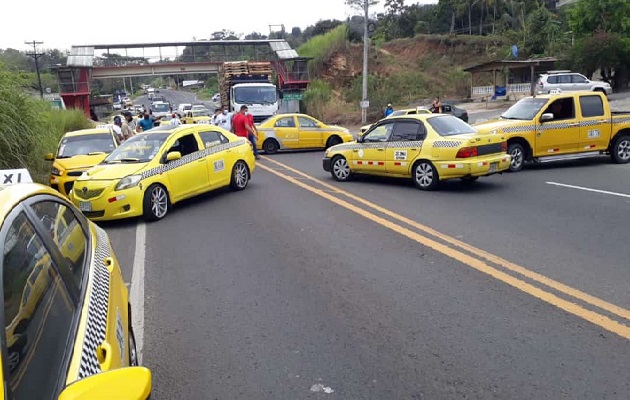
<point x="36" y="57"/>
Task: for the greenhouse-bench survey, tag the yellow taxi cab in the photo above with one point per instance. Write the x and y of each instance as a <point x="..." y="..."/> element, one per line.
<point x="298" y="131"/>
<point x="398" y="113"/>
<point x="427" y="148"/>
<point x="197" y="117"/>
<point x="67" y="317"/>
<point x="150" y="172"/>
<point x="77" y="152"/>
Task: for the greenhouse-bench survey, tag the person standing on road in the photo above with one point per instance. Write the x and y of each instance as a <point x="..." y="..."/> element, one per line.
<point x="128" y="125"/>
<point x="175" y="121"/>
<point x="243" y="128"/>
<point x="118" y="130"/>
<point x="145" y="123"/>
<point x="389" y="110"/>
<point x="436" y="107"/>
<point x="215" y="117"/>
<point x="224" y="119"/>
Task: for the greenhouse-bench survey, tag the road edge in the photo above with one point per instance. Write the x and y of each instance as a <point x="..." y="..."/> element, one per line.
<point x="136" y="295"/>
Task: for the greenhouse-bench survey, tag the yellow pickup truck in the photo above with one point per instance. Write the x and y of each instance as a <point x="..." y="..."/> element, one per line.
<point x="555" y="127"/>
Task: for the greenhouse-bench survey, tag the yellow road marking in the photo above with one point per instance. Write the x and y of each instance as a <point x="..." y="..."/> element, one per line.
<point x="575" y="309"/>
<point x="559" y="286"/>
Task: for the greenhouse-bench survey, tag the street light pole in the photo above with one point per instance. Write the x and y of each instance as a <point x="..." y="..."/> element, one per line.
<point x="36" y="56"/>
<point x="366" y="42"/>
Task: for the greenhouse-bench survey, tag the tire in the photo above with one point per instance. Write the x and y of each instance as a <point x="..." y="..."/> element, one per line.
<point x="333" y="140"/>
<point x="271" y="146"/>
<point x="133" y="352"/>
<point x="240" y="176"/>
<point x="425" y="176"/>
<point x="620" y="150"/>
<point x="340" y="170"/>
<point x="156" y="203"/>
<point x="517" y="152"/>
<point x="469" y="179"/>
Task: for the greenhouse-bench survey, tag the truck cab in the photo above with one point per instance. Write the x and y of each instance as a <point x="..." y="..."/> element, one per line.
<point x="260" y="98"/>
<point x="562" y="126"/>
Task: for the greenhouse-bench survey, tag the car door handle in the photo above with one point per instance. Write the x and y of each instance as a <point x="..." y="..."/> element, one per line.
<point x="355" y="150"/>
<point x="575" y="124"/>
<point x="381" y="149"/>
<point x="602" y="121"/>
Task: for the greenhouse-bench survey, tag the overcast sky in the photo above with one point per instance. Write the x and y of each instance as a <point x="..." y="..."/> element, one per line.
<point x="63" y="23"/>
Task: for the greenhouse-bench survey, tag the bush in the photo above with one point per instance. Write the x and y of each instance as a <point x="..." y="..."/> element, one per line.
<point x="321" y="47"/>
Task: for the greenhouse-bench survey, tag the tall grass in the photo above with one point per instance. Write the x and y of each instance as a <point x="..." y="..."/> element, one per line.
<point x="30" y="128"/>
<point x="321" y="47"/>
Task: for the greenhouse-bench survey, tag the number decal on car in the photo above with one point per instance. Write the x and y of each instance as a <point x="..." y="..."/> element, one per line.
<point x="219" y="165"/>
<point x="593" y="133"/>
<point x="400" y="155"/>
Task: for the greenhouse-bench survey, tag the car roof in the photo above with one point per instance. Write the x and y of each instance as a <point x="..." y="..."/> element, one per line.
<point x="11" y="196"/>
<point x="92" y="131"/>
<point x="422" y="117"/>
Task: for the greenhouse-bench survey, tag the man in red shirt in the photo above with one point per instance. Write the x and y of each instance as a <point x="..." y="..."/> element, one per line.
<point x="243" y="127"/>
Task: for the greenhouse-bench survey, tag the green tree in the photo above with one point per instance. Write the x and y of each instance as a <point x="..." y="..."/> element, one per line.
<point x="588" y="16"/>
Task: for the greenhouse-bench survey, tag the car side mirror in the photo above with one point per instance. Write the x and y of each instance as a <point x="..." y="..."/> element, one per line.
<point x="131" y="383"/>
<point x="173" y="156"/>
<point x="546" y="117"/>
<point x="49" y="157"/>
<point x="360" y="138"/>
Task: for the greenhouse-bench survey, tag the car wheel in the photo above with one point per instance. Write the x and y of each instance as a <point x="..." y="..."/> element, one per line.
<point x="340" y="169"/>
<point x="620" y="150"/>
<point x="469" y="179"/>
<point x="156" y="203"/>
<point x="133" y="352"/>
<point x="333" y="140"/>
<point x="425" y="176"/>
<point x="517" y="152"/>
<point x="271" y="146"/>
<point x="240" y="176"/>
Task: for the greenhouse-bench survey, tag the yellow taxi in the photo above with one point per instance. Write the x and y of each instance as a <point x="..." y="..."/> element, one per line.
<point x="67" y="317"/>
<point x="197" y="116"/>
<point x="427" y="148"/>
<point x="150" y="172"/>
<point x="77" y="152"/>
<point x="398" y="113"/>
<point x="298" y="131"/>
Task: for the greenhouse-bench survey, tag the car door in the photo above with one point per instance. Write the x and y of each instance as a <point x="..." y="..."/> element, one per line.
<point x="580" y="82"/>
<point x="564" y="83"/>
<point x="287" y="132"/>
<point x="188" y="175"/>
<point x="310" y="134"/>
<point x="404" y="146"/>
<point x="370" y="157"/>
<point x="595" y="128"/>
<point x="560" y="135"/>
<point x="218" y="166"/>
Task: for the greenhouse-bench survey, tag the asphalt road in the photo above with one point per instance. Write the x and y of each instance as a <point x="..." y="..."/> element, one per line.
<point x="176" y="97"/>
<point x="293" y="289"/>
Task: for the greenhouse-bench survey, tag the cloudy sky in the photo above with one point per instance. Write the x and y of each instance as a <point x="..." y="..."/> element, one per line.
<point x="62" y="23"/>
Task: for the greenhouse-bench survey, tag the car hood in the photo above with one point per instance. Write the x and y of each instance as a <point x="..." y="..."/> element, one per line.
<point x="106" y="172"/>
<point x="496" y="125"/>
<point x="336" y="128"/>
<point x="80" y="162"/>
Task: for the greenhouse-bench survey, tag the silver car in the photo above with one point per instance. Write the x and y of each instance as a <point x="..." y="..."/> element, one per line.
<point x="567" y="81"/>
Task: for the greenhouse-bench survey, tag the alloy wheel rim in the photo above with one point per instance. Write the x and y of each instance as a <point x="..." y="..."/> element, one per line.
<point x="159" y="202"/>
<point x="517" y="157"/>
<point x="240" y="175"/>
<point x="623" y="150"/>
<point x="424" y="175"/>
<point x="341" y="168"/>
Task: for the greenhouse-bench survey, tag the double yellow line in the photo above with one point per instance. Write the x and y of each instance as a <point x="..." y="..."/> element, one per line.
<point x="469" y="255"/>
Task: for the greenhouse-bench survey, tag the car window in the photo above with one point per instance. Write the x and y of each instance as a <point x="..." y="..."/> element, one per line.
<point x="67" y="233"/>
<point x="412" y="112"/>
<point x="448" y="125"/>
<point x="287" y="122"/>
<point x="552" y="79"/>
<point x="564" y="78"/>
<point x="446" y="108"/>
<point x="186" y="144"/>
<point x="408" y="130"/>
<point x="140" y="148"/>
<point x="306" y="122"/>
<point x="578" y="79"/>
<point x="212" y="138"/>
<point x="71" y="146"/>
<point x="380" y="133"/>
<point x="562" y="109"/>
<point x="592" y="106"/>
<point x="38" y="315"/>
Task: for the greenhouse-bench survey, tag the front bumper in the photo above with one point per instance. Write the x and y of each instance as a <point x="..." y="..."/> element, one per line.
<point x="327" y="164"/>
<point x="63" y="184"/>
<point x="107" y="203"/>
<point x="478" y="166"/>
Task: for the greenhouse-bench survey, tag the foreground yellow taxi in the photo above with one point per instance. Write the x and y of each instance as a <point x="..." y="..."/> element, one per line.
<point x="298" y="131"/>
<point x="426" y="148"/>
<point x="66" y="310"/>
<point x="150" y="172"/>
<point x="77" y="152"/>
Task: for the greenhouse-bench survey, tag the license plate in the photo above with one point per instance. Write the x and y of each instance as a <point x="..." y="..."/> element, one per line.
<point x="494" y="167"/>
<point x="85" y="206"/>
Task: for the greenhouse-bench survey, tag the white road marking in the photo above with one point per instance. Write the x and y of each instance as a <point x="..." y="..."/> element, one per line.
<point x="589" y="189"/>
<point x="318" y="387"/>
<point x="136" y="296"/>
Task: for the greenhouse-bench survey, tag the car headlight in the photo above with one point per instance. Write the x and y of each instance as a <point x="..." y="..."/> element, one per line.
<point x="56" y="171"/>
<point x="128" y="182"/>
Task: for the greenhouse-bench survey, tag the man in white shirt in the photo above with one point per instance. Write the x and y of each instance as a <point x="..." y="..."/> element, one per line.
<point x="175" y="121"/>
<point x="223" y="119"/>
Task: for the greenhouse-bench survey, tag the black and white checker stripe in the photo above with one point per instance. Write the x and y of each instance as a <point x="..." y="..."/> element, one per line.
<point x="446" y="144"/>
<point x="621" y="120"/>
<point x="190" y="158"/>
<point x="519" y="128"/>
<point x="590" y="123"/>
<point x="98" y="301"/>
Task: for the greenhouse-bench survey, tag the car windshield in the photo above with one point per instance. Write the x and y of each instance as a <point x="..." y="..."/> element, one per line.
<point x="160" y="107"/>
<point x="85" y="144"/>
<point x="255" y="95"/>
<point x="200" y="113"/>
<point x="525" y="109"/>
<point x="397" y="113"/>
<point x="448" y="125"/>
<point x="140" y="148"/>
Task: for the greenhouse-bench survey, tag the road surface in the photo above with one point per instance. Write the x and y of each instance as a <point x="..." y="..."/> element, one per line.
<point x="514" y="287"/>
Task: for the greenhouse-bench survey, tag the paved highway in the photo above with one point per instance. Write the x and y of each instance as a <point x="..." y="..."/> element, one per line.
<point x="514" y="287"/>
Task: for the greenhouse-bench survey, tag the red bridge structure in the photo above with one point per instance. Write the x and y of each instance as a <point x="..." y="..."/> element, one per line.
<point x="201" y="56"/>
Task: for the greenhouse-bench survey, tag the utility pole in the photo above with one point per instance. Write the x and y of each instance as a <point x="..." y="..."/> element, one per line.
<point x="36" y="56"/>
<point x="366" y="42"/>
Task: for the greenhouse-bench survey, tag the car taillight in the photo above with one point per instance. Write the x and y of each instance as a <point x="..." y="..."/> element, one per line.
<point x="467" y="152"/>
<point x="504" y="147"/>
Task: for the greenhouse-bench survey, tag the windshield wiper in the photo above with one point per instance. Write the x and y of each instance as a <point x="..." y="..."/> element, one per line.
<point x="519" y="119"/>
<point x="129" y="159"/>
<point x="95" y="153"/>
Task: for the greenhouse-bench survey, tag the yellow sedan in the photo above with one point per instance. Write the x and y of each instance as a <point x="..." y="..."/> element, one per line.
<point x="66" y="308"/>
<point x="427" y="148"/>
<point x="77" y="152"/>
<point x="150" y="172"/>
<point x="298" y="131"/>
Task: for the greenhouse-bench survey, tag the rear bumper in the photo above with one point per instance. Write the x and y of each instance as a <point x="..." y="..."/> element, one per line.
<point x="478" y="166"/>
<point x="327" y="164"/>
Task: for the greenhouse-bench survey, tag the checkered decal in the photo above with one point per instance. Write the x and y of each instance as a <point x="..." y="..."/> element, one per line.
<point x="446" y="143"/>
<point x="521" y="128"/>
<point x="590" y="123"/>
<point x="622" y="120"/>
<point x="407" y="145"/>
<point x="559" y="125"/>
<point x="190" y="158"/>
<point x="97" y="308"/>
<point x="388" y="145"/>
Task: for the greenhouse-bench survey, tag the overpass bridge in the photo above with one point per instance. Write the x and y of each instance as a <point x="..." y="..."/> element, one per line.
<point x="103" y="61"/>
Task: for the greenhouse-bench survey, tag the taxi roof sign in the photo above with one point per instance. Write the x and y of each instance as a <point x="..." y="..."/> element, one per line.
<point x="14" y="176"/>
